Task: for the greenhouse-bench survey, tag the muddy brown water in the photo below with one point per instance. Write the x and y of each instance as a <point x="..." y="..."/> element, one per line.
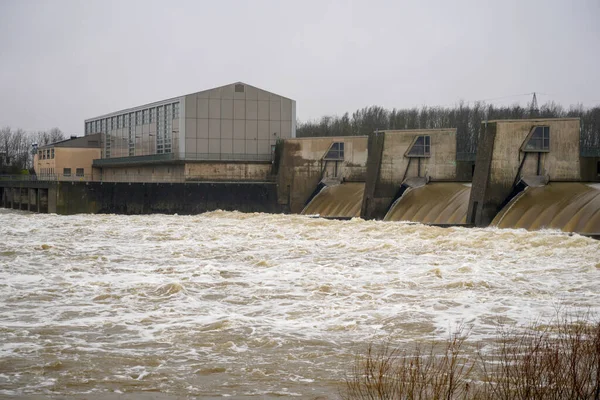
<point x="227" y="304"/>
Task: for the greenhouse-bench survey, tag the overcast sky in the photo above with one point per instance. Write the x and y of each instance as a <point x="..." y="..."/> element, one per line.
<point x="63" y="61"/>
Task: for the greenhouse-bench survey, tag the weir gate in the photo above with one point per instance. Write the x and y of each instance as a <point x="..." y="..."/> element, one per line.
<point x="527" y="174"/>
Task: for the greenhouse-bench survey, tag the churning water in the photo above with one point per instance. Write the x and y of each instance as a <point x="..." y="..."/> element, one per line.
<point x="255" y="305"/>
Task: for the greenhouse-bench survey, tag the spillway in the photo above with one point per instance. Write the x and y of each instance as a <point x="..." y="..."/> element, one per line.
<point x="337" y="201"/>
<point x="435" y="203"/>
<point x="570" y="207"/>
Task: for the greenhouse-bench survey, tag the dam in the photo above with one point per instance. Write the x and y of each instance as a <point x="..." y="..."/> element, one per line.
<point x="522" y="168"/>
<point x="528" y="174"/>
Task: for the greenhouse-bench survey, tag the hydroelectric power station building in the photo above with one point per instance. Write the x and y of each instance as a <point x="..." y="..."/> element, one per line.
<point x="234" y="127"/>
<point x="234" y="148"/>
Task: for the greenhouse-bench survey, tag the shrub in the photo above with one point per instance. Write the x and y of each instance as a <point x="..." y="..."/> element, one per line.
<point x="556" y="361"/>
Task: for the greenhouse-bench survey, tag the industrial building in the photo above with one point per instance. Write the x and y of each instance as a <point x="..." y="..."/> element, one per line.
<point x="231" y="123"/>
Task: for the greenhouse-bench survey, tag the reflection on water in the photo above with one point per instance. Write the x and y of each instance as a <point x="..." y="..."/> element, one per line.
<point x="434" y="203"/>
<point x="255" y="305"/>
<point x="570" y="207"/>
<point x="337" y="201"/>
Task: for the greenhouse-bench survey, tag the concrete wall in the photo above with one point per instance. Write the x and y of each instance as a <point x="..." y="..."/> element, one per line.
<point x="302" y="166"/>
<point x="590" y="169"/>
<point x="190" y="171"/>
<point x="561" y="163"/>
<point x="236" y="121"/>
<point x="439" y="166"/>
<point x="140" y="198"/>
<point x="389" y="167"/>
<point x="144" y="173"/>
<point x="27" y="195"/>
<point x="232" y="171"/>
<point x="499" y="158"/>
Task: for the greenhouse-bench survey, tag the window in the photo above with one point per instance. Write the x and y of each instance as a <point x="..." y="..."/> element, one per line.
<point x="52" y="153"/>
<point x="138" y="118"/>
<point x="421" y="147"/>
<point x="335" y="152"/>
<point x="78" y="172"/>
<point x="598" y="168"/>
<point x="145" y="116"/>
<point x="67" y="172"/>
<point x="239" y="88"/>
<point x="538" y="139"/>
<point x="175" y="110"/>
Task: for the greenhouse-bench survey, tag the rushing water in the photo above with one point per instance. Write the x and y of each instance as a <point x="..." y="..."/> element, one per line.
<point x="255" y="305"/>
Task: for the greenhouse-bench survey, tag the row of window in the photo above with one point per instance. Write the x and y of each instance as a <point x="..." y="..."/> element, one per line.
<point x="46" y="154"/>
<point x="136" y="118"/>
<point x="78" y="172"/>
<point x="46" y="171"/>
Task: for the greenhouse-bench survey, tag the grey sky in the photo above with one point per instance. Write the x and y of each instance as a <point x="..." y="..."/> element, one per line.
<point x="63" y="61"/>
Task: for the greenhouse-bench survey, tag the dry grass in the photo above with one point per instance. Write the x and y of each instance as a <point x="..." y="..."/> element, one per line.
<point x="556" y="361"/>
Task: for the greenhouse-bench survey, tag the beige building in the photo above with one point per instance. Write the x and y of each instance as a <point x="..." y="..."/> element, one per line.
<point x="68" y="160"/>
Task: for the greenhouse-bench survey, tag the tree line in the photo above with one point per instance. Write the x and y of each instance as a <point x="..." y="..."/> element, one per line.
<point x="16" y="147"/>
<point x="465" y="118"/>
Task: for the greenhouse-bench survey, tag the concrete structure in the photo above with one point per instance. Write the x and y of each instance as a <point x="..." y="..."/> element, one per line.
<point x="305" y="163"/>
<point x="390" y="164"/>
<point x="141" y="170"/>
<point x="503" y="160"/>
<point x="69" y="159"/>
<point x="138" y="198"/>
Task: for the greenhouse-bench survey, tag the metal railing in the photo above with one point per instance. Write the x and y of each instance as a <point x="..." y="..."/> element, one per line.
<point x="28" y="178"/>
<point x="139" y="178"/>
<point x="157" y="158"/>
<point x="134" y="159"/>
<point x="227" y="157"/>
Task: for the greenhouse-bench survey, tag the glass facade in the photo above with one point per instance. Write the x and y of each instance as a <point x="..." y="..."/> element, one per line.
<point x="142" y="132"/>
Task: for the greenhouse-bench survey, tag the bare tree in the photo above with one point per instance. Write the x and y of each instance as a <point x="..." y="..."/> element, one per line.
<point x="16" y="147"/>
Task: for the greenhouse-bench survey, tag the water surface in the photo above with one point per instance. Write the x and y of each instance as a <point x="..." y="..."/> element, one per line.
<point x="255" y="305"/>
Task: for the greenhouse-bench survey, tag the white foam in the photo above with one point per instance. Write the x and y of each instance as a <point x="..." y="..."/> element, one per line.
<point x="291" y="296"/>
